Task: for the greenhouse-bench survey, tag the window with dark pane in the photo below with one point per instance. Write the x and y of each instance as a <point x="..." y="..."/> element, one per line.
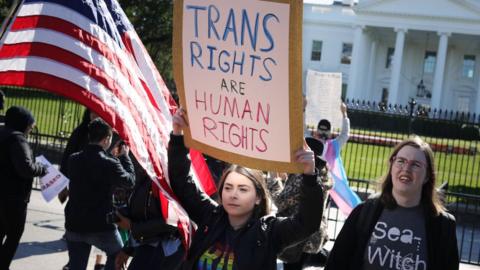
<point x="429" y="62"/>
<point x="390" y="53"/>
<point x="347" y="53"/>
<point x="316" y="51"/>
<point x="468" y="66"/>
<point x="344" y="91"/>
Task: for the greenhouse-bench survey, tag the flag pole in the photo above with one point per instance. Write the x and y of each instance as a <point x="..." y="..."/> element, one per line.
<point x="8" y="20"/>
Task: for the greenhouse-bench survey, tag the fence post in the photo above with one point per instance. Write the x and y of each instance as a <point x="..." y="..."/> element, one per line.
<point x="412" y="104"/>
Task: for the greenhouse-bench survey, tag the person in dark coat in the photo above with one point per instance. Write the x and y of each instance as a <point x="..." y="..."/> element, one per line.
<point x="287" y="199"/>
<point x="238" y="233"/>
<point x="94" y="175"/>
<point x="406" y="226"/>
<point x="77" y="141"/>
<point x="153" y="244"/>
<point x="17" y="170"/>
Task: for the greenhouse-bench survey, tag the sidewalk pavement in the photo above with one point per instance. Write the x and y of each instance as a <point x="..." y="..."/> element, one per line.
<point x="41" y="247"/>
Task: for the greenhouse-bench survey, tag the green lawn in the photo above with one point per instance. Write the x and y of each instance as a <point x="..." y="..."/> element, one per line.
<point x="54" y="116"/>
<point x="369" y="162"/>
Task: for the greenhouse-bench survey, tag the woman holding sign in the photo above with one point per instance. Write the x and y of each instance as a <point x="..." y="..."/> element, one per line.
<point x="236" y="233"/>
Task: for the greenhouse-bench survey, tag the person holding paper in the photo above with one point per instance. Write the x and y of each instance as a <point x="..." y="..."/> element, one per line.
<point x="17" y="170"/>
<point x="324" y="129"/>
<point x="237" y="232"/>
<point x="311" y="251"/>
<point x="94" y="174"/>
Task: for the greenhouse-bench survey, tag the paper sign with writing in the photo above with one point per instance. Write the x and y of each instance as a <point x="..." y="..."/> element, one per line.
<point x="53" y="182"/>
<point x="238" y="72"/>
<point x="324" y="92"/>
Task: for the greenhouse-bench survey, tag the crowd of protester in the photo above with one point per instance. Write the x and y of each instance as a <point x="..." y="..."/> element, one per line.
<point x="255" y="219"/>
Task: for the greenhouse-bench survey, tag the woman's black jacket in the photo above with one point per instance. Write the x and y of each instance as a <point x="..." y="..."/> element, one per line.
<point x="145" y="213"/>
<point x="261" y="239"/>
<point x="349" y="247"/>
<point x="17" y="166"/>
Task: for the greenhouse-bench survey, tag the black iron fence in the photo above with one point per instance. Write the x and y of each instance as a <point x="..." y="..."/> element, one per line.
<point x="466" y="209"/>
<point x="413" y="118"/>
<point x="453" y="136"/>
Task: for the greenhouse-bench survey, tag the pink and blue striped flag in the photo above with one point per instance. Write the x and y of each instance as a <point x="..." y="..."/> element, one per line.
<point x="341" y="192"/>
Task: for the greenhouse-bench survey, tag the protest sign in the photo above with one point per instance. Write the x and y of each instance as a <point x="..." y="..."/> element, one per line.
<point x="237" y="69"/>
<point x="53" y="182"/>
<point x="323" y="95"/>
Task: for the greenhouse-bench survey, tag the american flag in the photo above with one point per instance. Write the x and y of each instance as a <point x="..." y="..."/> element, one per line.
<point x="88" y="51"/>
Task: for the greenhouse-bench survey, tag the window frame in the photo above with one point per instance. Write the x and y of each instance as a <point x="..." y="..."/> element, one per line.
<point x="344" y="56"/>
<point x="465" y="75"/>
<point x="431" y="65"/>
<point x="316" y="51"/>
<point x="389" y="60"/>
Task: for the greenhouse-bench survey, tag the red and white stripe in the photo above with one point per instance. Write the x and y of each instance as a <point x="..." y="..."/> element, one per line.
<point x="54" y="48"/>
<point x="86" y="47"/>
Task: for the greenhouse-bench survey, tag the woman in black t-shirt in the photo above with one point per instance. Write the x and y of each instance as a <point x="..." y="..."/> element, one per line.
<point x="406" y="226"/>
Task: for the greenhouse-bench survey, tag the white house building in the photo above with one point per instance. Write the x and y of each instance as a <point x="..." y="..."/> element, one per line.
<point x="394" y="50"/>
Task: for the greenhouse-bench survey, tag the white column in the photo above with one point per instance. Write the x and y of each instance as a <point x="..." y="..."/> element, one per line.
<point x="356" y="64"/>
<point x="371" y="70"/>
<point x="397" y="65"/>
<point x="439" y="70"/>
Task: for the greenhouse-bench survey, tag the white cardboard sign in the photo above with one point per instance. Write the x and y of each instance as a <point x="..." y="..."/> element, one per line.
<point x="238" y="74"/>
<point x="323" y="96"/>
<point x="53" y="182"/>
